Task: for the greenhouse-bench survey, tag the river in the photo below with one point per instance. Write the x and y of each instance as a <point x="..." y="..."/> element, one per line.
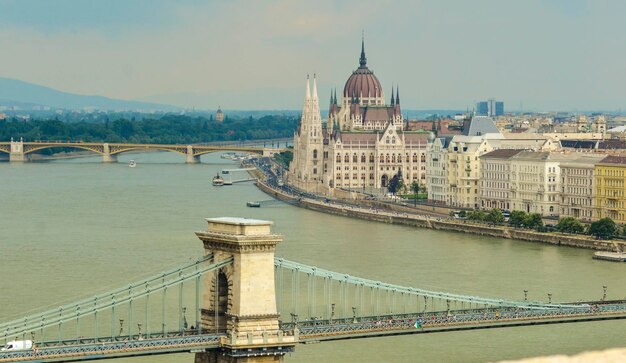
<point x="71" y="228"/>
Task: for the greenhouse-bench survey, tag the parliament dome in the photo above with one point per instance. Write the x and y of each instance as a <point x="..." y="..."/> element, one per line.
<point x="363" y="82"/>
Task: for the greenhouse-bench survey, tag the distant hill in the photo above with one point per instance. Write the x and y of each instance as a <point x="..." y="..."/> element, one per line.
<point x="14" y="92"/>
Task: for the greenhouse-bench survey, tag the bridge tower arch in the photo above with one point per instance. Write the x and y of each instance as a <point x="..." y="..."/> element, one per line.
<point x="240" y="299"/>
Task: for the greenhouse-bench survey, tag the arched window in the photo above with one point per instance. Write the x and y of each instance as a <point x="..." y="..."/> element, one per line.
<point x="393" y="158"/>
<point x="338" y="158"/>
<point x="415" y="158"/>
<point x="315" y="154"/>
<point x="387" y="140"/>
<point x="399" y="158"/>
<point x="393" y="140"/>
<point x="314" y="170"/>
<point x="423" y="158"/>
<point x="382" y="158"/>
<point x="355" y="158"/>
<point x="362" y="158"/>
<point x="346" y="158"/>
<point x="551" y="209"/>
<point x="387" y="158"/>
<point x="371" y="158"/>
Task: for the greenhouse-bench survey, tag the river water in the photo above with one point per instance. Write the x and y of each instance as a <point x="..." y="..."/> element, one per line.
<point x="71" y="228"/>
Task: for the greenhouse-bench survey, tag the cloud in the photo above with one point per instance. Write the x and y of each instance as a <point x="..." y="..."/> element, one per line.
<point x="442" y="53"/>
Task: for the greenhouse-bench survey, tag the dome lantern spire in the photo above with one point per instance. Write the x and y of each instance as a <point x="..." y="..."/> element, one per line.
<point x="363" y="60"/>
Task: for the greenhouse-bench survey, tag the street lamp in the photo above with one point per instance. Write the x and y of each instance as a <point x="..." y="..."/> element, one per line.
<point x="525" y="295"/>
<point x="603" y="292"/>
<point x="549" y="298"/>
<point x="121" y="326"/>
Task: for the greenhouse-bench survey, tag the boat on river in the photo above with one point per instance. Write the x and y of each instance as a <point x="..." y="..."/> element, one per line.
<point x="132" y="164"/>
<point x="254" y="204"/>
<point x="217" y="181"/>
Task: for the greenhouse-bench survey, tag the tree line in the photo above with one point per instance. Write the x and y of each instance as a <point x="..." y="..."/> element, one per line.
<point x="169" y="129"/>
<point x="604" y="228"/>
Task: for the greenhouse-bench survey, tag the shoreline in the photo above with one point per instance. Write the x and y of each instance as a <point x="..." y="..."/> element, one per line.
<point x="402" y="217"/>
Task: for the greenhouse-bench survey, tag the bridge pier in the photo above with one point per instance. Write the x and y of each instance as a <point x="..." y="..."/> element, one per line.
<point x="191" y="158"/>
<point x="240" y="299"/>
<point x="17" y="152"/>
<point x="107" y="157"/>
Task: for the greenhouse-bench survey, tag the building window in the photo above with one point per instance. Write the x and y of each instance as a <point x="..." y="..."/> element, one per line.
<point x="362" y="158"/>
<point x="346" y="158"/>
<point x="355" y="158"/>
<point x="415" y="158"/>
<point x="338" y="158"/>
<point x="314" y="153"/>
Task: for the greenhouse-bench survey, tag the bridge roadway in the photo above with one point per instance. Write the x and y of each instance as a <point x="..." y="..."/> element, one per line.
<point x="315" y="331"/>
<point x="20" y="151"/>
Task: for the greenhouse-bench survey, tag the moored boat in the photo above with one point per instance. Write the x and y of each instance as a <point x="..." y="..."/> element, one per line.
<point x="217" y="180"/>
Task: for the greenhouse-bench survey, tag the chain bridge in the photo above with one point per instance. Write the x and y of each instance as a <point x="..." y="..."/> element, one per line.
<point x="239" y="303"/>
<point x="20" y="151"/>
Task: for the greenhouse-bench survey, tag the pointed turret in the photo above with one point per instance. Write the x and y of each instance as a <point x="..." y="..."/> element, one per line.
<point x="335" y="96"/>
<point x="393" y="101"/>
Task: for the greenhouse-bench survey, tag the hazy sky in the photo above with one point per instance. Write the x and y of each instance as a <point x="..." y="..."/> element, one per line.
<point x="245" y="54"/>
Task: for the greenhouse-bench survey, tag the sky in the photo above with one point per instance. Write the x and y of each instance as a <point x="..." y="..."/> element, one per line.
<point x="535" y="55"/>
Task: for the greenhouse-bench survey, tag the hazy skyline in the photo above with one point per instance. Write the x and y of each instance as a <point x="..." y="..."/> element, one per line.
<point x="548" y="55"/>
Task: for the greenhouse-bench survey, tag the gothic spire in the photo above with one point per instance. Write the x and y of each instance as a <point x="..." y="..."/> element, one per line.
<point x="392" y="99"/>
<point x="314" y="88"/>
<point x="308" y="89"/>
<point x="397" y="95"/>
<point x="363" y="60"/>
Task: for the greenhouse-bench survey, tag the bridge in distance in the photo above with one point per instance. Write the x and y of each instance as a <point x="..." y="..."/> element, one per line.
<point x="239" y="303"/>
<point x="20" y="151"/>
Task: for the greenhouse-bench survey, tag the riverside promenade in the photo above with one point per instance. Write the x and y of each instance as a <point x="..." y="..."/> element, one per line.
<point x="405" y="216"/>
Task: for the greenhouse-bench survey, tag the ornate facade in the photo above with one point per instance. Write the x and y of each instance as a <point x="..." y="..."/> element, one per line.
<point x="364" y="143"/>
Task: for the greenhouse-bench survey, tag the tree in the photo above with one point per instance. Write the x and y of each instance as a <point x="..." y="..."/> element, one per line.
<point x="396" y="183"/>
<point x="476" y="215"/>
<point x="495" y="216"/>
<point x="570" y="225"/>
<point x="517" y="218"/>
<point x="605" y="228"/>
<point x="533" y="221"/>
<point x="415" y="187"/>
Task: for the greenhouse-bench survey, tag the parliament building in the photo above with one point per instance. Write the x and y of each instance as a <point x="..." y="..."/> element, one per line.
<point x="363" y="143"/>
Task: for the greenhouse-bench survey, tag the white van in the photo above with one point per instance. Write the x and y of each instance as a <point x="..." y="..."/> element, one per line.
<point x="18" y="345"/>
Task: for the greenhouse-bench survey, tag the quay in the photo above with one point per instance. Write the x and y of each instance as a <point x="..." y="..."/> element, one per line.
<point x="371" y="210"/>
<point x="610" y="256"/>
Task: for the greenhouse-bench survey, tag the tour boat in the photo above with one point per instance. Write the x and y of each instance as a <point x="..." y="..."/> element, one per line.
<point x="132" y="164"/>
<point x="217" y="180"/>
<point x="253" y="204"/>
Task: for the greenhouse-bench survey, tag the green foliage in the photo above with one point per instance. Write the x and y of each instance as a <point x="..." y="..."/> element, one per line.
<point x="517" y="218"/>
<point x="605" y="228"/>
<point x="396" y="183"/>
<point x="284" y="158"/>
<point x="415" y="187"/>
<point x="533" y="221"/>
<point x="169" y="129"/>
<point x="570" y="225"/>
<point x="495" y="216"/>
<point x="476" y="215"/>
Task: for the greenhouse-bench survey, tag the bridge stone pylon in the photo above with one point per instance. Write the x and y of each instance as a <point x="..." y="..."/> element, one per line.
<point x="17" y="151"/>
<point x="240" y="299"/>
